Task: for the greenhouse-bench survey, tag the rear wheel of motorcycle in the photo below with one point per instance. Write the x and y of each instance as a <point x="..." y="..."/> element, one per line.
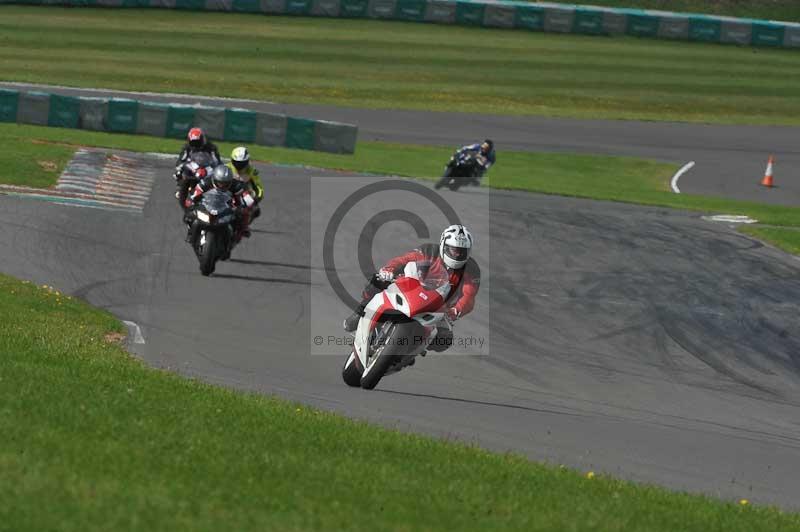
<point x="351" y="373"/>
<point x="398" y="341"/>
<point x="208" y="254"/>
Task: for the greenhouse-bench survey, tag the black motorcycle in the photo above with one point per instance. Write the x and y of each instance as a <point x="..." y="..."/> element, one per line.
<point x="212" y="228"/>
<point x="189" y="173"/>
<point x="462" y="170"/>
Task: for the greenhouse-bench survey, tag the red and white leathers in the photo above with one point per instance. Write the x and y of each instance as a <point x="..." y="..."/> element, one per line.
<point x="464" y="282"/>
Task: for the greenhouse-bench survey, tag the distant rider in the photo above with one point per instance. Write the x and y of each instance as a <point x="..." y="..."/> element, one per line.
<point x="486" y="157"/>
<point x="222" y="178"/>
<point x="450" y="256"/>
<point x="246" y="173"/>
<point x="196" y="141"/>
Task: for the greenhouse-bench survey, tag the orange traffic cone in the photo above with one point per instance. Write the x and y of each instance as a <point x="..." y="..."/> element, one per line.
<point x="767" y="181"/>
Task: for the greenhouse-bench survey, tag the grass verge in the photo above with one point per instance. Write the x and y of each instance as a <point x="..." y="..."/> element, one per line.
<point x="787" y="10"/>
<point x="29" y="162"/>
<point x="383" y="64"/>
<point x="785" y="238"/>
<point x="111" y="444"/>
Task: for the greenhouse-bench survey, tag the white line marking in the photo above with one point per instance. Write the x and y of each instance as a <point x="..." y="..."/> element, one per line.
<point x="161" y="155"/>
<point x="731" y="219"/>
<point x="137" y="334"/>
<point x="686" y="167"/>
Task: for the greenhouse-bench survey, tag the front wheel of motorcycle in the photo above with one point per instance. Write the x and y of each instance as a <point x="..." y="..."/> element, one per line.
<point x="208" y="254"/>
<point x="351" y="372"/>
<point x="399" y="340"/>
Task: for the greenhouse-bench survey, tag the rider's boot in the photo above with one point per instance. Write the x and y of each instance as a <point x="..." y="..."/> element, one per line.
<point x="246" y="223"/>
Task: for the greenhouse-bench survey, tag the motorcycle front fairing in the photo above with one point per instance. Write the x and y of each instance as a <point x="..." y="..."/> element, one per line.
<point x="415" y="296"/>
<point x="214" y="210"/>
<point x="216" y="207"/>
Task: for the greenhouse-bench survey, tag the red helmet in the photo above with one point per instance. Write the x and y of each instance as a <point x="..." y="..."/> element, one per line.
<point x="196" y="137"/>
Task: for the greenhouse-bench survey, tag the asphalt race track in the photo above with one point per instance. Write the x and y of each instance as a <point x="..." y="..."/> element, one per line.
<point x="646" y="343"/>
<point x="730" y="160"/>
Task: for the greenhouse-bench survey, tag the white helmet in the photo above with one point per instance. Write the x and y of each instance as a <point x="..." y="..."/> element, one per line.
<point x="455" y="245"/>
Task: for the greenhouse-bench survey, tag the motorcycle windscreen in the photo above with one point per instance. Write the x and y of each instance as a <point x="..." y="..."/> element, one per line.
<point x="217" y="202"/>
<point x="431" y="278"/>
<point x="201" y="158"/>
<point x="421" y="297"/>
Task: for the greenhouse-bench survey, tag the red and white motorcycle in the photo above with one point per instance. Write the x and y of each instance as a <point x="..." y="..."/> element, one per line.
<point x="398" y="324"/>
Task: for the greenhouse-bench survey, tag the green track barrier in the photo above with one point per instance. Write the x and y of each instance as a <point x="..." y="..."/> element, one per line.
<point x="766" y="34"/>
<point x="559" y="19"/>
<point x="441" y="11"/>
<point x="9" y="104"/>
<point x="325" y="8"/>
<point x="530" y="17"/>
<point x="300" y="133"/>
<point x="211" y="120"/>
<point x="120" y="115"/>
<point x="469" y="13"/>
<point x="123" y="115"/>
<point x="643" y="25"/>
<point x="152" y="119"/>
<point x="410" y="10"/>
<point x="193" y="5"/>
<point x="706" y="29"/>
<point x="499" y="16"/>
<point x="240" y="125"/>
<point x="179" y="120"/>
<point x="736" y="32"/>
<point x="589" y="21"/>
<point x="298" y="7"/>
<point x="247" y="6"/>
<point x="354" y="8"/>
<point x="93" y="114"/>
<point x="673" y="27"/>
<point x="273" y="6"/>
<point x="34" y="108"/>
<point x="65" y="111"/>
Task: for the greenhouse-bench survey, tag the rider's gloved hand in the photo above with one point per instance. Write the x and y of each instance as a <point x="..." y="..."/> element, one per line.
<point x="453" y="314"/>
<point x="187" y="203"/>
<point x="384" y="275"/>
